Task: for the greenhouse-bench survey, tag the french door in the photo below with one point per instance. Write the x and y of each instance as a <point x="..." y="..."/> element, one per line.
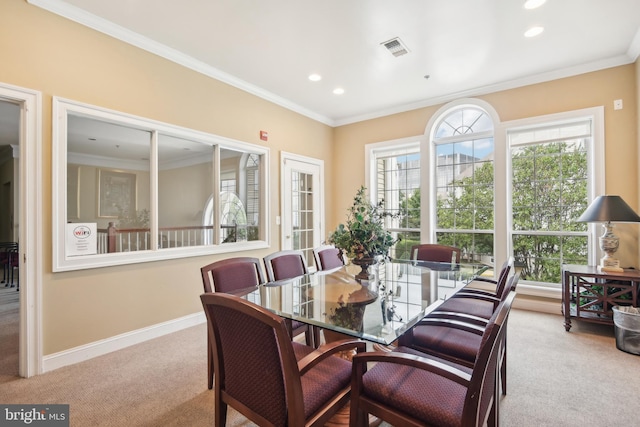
<point x="302" y="226"/>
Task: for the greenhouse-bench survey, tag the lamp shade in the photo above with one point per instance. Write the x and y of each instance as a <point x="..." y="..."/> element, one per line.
<point x="609" y="208"/>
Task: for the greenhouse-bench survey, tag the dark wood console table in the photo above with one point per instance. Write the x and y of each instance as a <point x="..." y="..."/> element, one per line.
<point x="589" y="294"/>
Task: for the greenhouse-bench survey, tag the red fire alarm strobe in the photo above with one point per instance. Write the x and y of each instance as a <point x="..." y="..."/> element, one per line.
<point x="264" y="135"/>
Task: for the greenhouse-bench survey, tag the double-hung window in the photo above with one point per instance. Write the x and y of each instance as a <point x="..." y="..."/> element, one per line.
<point x="496" y="189"/>
<point x="396" y="182"/>
<point x="550" y="181"/>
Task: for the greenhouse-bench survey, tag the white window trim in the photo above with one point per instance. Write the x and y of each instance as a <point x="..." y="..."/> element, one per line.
<point x="502" y="166"/>
<point x="372" y="149"/>
<point x="596" y="164"/>
<point x="62" y="262"/>
<point x="428" y="205"/>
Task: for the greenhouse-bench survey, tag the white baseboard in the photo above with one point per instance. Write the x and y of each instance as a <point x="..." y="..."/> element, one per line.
<point x="550" y="306"/>
<point x="118" y="342"/>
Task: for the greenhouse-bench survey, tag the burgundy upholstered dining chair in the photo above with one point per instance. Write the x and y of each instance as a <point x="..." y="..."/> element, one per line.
<point x="229" y="275"/>
<point x="288" y="264"/>
<point x="285" y="264"/>
<point x="489" y="285"/>
<point x="435" y="253"/>
<point x="409" y="388"/>
<point x="455" y="335"/>
<point x="328" y="257"/>
<point x="481" y="302"/>
<point x="270" y="379"/>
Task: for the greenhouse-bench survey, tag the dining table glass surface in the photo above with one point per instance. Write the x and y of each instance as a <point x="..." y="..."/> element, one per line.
<point x="397" y="295"/>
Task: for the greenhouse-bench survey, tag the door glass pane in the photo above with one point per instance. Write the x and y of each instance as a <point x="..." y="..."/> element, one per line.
<point x="302" y="213"/>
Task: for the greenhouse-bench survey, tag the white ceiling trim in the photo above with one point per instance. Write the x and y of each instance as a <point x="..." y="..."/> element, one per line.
<point x="80" y="16"/>
<point x="99" y="24"/>
<point x="634" y="47"/>
<point x="512" y="84"/>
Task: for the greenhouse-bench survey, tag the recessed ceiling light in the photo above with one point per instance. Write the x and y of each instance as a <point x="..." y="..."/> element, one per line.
<point x="532" y="4"/>
<point x="315" y="77"/>
<point x="533" y="31"/>
<point x="338" y="91"/>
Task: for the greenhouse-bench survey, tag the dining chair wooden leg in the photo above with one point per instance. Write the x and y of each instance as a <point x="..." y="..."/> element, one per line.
<point x="209" y="363"/>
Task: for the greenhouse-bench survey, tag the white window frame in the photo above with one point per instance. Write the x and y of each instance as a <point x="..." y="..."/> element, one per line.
<point x="595" y="185"/>
<point x="502" y="170"/>
<point x="386" y="148"/>
<point x="63" y="262"/>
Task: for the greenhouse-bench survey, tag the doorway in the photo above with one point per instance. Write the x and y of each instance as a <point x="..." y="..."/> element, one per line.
<point x="21" y="130"/>
<point x="302" y="204"/>
<point x="9" y="291"/>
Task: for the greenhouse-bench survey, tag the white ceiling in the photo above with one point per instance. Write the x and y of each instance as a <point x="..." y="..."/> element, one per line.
<point x="467" y="47"/>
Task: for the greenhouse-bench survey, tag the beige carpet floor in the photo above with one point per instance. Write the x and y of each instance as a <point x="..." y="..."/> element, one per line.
<point x="556" y="378"/>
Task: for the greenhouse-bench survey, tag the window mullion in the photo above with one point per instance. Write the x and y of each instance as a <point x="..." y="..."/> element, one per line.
<point x="153" y="185"/>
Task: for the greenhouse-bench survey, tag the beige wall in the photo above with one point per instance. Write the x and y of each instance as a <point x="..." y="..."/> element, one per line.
<point x="583" y="91"/>
<point x="183" y="193"/>
<point x="44" y="52"/>
<point x="50" y="54"/>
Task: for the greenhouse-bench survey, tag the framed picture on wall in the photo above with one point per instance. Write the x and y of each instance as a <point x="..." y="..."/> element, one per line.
<point x="116" y="193"/>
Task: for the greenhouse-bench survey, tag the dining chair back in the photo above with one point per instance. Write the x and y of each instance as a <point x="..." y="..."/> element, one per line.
<point x="427" y="390"/>
<point x="328" y="257"/>
<point x="285" y="264"/>
<point x="499" y="282"/>
<point x="229" y="275"/>
<point x="268" y="378"/>
<point x="435" y="253"/>
<point x="232" y="274"/>
<point x="288" y="264"/>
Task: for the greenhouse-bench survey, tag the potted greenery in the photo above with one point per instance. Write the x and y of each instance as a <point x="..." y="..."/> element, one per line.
<point x="363" y="238"/>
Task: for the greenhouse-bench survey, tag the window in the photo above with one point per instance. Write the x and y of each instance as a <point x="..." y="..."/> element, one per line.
<point x="396" y="181"/>
<point x="464" y="176"/>
<point x="128" y="189"/>
<point x="497" y="189"/>
<point x="549" y="192"/>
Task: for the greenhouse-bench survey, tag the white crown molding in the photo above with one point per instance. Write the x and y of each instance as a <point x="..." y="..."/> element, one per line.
<point x="634" y="47"/>
<point x="511" y="84"/>
<point x="102" y="25"/>
<point x="106" y="162"/>
<point x="80" y="16"/>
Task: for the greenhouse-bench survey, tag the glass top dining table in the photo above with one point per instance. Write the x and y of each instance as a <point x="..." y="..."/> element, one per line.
<point x="396" y="296"/>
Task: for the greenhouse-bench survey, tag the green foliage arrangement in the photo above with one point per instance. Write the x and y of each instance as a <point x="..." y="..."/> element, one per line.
<point x="364" y="235"/>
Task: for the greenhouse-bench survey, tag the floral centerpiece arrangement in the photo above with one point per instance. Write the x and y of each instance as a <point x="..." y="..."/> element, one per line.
<point x="363" y="238"/>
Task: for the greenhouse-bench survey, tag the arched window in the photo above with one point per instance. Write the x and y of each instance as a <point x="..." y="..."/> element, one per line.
<point x="238" y="219"/>
<point x="463" y="160"/>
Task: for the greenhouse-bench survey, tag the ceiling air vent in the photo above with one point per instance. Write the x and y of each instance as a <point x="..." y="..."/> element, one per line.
<point x="396" y="46"/>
